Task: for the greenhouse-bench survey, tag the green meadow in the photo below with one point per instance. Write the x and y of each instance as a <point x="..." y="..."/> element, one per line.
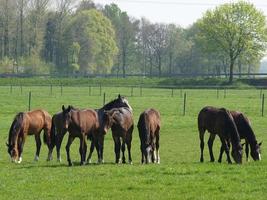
<point x="180" y="175"/>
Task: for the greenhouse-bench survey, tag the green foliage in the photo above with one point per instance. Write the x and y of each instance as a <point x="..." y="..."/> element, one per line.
<point x="95" y="36"/>
<point x="233" y="30"/>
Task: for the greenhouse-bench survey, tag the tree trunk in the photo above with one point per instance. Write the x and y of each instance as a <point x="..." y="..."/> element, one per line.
<point x="232" y="62"/>
<point x="159" y="66"/>
<point x="239" y="68"/>
<point x="6" y="31"/>
<point x="123" y="62"/>
<point x="21" y="29"/>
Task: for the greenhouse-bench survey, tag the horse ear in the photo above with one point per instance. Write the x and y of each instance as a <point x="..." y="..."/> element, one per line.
<point x="69" y="108"/>
<point x="119" y="96"/>
<point x="63" y="108"/>
<point x="260" y="143"/>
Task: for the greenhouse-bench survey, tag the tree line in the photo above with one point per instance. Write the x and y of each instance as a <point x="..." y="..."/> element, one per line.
<point x="44" y="36"/>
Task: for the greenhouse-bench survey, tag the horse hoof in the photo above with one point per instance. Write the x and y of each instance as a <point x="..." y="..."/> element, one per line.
<point x="130" y="162"/>
<point x="59" y="160"/>
<point x="36" y="158"/>
<point x="70" y="164"/>
<point x="89" y="161"/>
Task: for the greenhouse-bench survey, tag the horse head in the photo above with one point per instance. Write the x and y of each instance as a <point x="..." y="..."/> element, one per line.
<point x="108" y="120"/>
<point x="12" y="151"/>
<point x="237" y="153"/>
<point x="66" y="116"/>
<point x="119" y="102"/>
<point x="256" y="151"/>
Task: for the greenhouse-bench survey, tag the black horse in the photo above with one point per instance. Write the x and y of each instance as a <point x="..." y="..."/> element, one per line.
<point x="245" y="132"/>
<point x="220" y="122"/>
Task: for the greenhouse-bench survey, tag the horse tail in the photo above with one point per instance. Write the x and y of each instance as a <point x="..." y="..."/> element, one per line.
<point x="144" y="129"/>
<point x="53" y="133"/>
<point x="16" y="127"/>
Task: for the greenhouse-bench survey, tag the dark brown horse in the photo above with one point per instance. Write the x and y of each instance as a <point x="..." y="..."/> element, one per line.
<point x="59" y="131"/>
<point x="80" y="123"/>
<point x="245" y="132"/>
<point x="149" y="129"/>
<point x="28" y="123"/>
<point x="219" y="122"/>
<point x="122" y="125"/>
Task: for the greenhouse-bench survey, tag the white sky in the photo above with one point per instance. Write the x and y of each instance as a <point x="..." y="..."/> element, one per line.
<point x="180" y="12"/>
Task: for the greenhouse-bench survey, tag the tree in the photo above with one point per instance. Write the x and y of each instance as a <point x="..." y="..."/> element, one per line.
<point x="233" y="29"/>
<point x="96" y="37"/>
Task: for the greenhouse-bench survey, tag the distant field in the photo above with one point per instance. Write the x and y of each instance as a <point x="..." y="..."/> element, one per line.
<point x="179" y="176"/>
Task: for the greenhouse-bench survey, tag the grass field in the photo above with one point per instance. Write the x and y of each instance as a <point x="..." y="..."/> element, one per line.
<point x="179" y="176"/>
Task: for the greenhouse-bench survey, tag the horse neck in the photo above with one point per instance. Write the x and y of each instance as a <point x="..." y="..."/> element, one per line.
<point x="14" y="131"/>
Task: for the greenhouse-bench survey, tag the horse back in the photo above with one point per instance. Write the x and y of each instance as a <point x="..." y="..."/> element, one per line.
<point x="84" y="120"/>
<point x="217" y="121"/>
<point x="123" y="119"/>
<point x="37" y="120"/>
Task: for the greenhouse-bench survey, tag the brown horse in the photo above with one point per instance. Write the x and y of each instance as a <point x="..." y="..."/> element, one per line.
<point x="220" y="122"/>
<point x="245" y="132"/>
<point x="59" y="131"/>
<point x="28" y="123"/>
<point x="81" y="124"/>
<point x="149" y="129"/>
<point x="122" y="125"/>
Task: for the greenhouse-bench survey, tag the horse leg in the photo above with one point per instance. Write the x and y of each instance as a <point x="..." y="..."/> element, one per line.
<point x="210" y="144"/>
<point x="47" y="133"/>
<point x="21" y="145"/>
<point x="123" y="151"/>
<point x="247" y="150"/>
<point x="117" y="148"/>
<point x="224" y="147"/>
<point x="70" y="140"/>
<point x="142" y="153"/>
<point x="201" y="138"/>
<point x="59" y="139"/>
<point x="96" y="140"/>
<point x="101" y="148"/>
<point x="157" y="148"/>
<point x="129" y="145"/>
<point x="38" y="146"/>
<point x="83" y="149"/>
<point x="91" y="152"/>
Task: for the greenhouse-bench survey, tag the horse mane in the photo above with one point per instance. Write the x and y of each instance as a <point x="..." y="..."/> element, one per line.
<point x="108" y="106"/>
<point x="144" y="128"/>
<point x="246" y="128"/>
<point x="15" y="128"/>
<point x="231" y="128"/>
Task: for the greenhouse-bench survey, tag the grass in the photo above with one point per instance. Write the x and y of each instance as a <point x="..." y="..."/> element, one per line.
<point x="179" y="176"/>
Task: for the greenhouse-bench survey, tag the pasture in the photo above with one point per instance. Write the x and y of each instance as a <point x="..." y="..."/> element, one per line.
<point x="180" y="174"/>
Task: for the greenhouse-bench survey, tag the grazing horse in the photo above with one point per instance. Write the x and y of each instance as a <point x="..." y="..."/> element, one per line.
<point x="245" y="132"/>
<point x="220" y="122"/>
<point x="149" y="127"/>
<point x="122" y="125"/>
<point x="29" y="123"/>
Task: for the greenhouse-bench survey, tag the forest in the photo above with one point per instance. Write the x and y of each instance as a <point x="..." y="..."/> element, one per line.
<point x="66" y="37"/>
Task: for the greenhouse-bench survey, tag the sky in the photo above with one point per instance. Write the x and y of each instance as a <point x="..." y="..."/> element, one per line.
<point x="179" y="12"/>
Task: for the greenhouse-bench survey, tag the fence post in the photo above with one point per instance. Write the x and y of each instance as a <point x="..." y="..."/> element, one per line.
<point x="20" y="89"/>
<point x="89" y="90"/>
<point x="51" y="89"/>
<point x="217" y="93"/>
<point x="100" y="89"/>
<point x="104" y="98"/>
<point x="262" y="105"/>
<point x="131" y="91"/>
<point x="224" y="95"/>
<point x="172" y="92"/>
<point x="184" y="104"/>
<point x="141" y="92"/>
<point x="260" y="92"/>
<point x="30" y="98"/>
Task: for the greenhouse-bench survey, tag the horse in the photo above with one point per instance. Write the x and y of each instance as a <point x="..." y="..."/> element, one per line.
<point x="59" y="132"/>
<point x="29" y="123"/>
<point x="119" y="102"/>
<point x="149" y="132"/>
<point x="245" y="132"/>
<point x="79" y="123"/>
<point x="122" y="125"/>
<point x="220" y="122"/>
